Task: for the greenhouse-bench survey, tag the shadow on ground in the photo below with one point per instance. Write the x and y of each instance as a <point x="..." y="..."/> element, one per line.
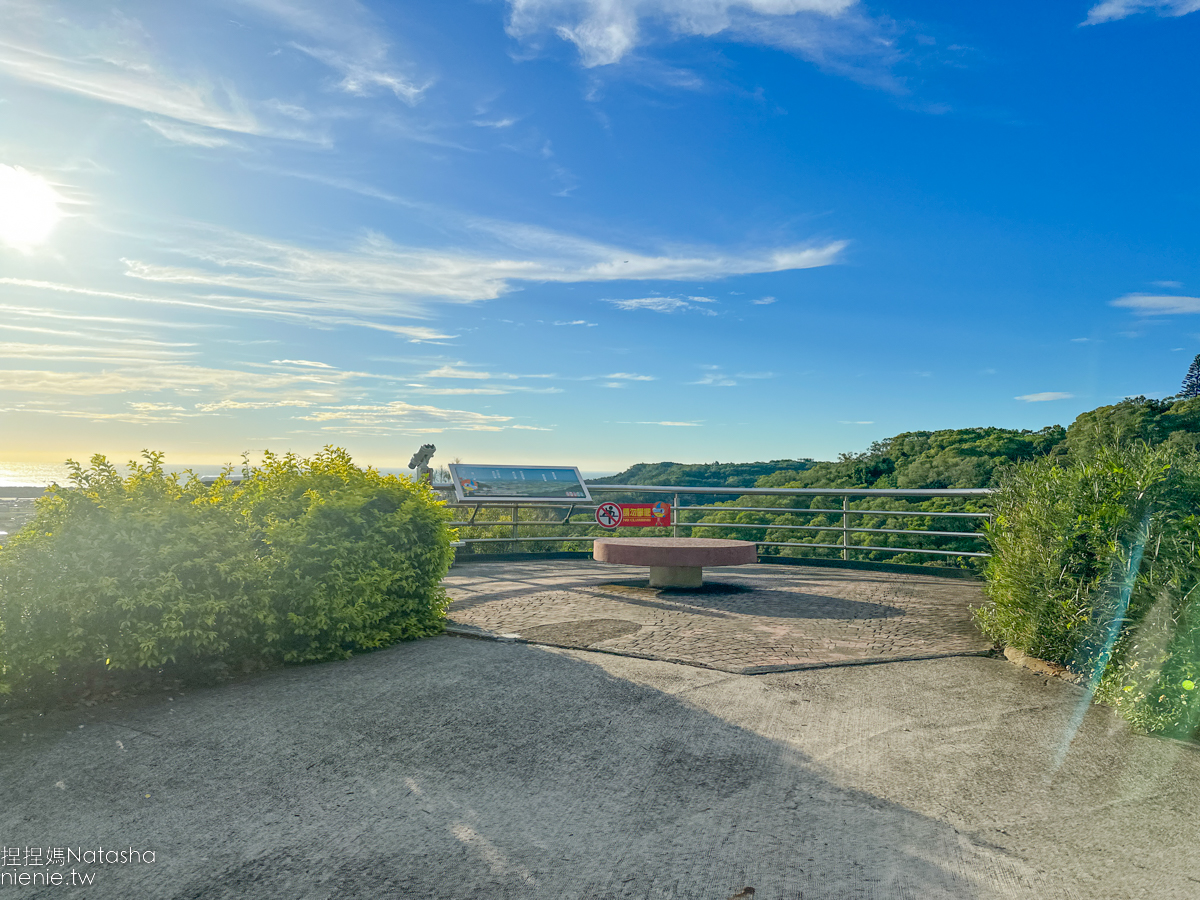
<point x="453" y="768"/>
<point x="734" y="599"/>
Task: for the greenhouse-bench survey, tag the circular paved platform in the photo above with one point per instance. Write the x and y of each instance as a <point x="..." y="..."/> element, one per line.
<point x="757" y="618"/>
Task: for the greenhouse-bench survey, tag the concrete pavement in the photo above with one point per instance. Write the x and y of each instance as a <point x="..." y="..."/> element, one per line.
<point x="453" y="768"/>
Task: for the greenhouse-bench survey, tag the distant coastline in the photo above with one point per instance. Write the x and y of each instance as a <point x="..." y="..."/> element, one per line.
<point x="33" y="475"/>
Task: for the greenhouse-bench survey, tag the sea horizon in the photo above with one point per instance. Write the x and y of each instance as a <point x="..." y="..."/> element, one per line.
<point x="21" y="475"/>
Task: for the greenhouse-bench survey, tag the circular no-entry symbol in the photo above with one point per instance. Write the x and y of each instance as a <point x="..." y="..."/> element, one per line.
<point x="608" y="515"/>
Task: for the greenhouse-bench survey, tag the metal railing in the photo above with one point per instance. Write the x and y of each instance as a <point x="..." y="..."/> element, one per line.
<point x="679" y="511"/>
<point x="567" y="516"/>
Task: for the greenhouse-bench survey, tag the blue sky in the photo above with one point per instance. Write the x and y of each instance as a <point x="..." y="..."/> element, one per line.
<point x="586" y="232"/>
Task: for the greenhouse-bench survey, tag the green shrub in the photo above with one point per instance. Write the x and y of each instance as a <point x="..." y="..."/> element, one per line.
<point x="304" y="560"/>
<point x="356" y="559"/>
<point x="1095" y="566"/>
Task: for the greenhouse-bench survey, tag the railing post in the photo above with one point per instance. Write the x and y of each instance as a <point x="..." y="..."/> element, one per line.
<point x="845" y="528"/>
<point x="515" y="520"/>
<point x="675" y="518"/>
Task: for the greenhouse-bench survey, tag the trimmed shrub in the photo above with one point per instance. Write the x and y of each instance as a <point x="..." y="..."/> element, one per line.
<point x="1095" y="567"/>
<point x="355" y="559"/>
<point x="304" y="560"/>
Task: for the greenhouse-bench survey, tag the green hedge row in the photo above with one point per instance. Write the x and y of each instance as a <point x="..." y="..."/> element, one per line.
<point x="303" y="560"/>
<point x="1095" y="566"/>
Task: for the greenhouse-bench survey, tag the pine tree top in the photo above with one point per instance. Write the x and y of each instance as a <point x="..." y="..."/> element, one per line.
<point x="1191" y="381"/>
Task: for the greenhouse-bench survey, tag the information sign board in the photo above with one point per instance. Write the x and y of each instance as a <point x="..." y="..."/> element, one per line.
<point x="562" y="484"/>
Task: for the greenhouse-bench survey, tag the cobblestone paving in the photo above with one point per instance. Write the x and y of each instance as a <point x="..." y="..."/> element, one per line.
<point x="748" y="619"/>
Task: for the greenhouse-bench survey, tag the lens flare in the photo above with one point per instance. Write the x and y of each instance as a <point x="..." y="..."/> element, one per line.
<point x="1110" y="631"/>
<point x="28" y="208"/>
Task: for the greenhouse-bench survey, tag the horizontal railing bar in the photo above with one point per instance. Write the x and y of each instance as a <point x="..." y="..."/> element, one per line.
<point x="799" y="492"/>
<point x="785" y="510"/>
<point x="524" y="523"/>
<point x="710" y="510"/>
<point x="838" y="528"/>
<point x="780" y="492"/>
<point x="511" y="540"/>
<point x="509" y="504"/>
<point x="964" y="534"/>
<point x="970" y="534"/>
<point x="865" y="547"/>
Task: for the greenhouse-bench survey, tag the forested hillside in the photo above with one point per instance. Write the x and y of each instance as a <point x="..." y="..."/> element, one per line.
<point x="715" y="474"/>
<point x="950" y="458"/>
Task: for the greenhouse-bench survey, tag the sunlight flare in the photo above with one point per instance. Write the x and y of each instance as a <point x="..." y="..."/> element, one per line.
<point x="28" y="208"/>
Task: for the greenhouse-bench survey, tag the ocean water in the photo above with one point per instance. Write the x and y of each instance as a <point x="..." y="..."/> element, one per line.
<point x="37" y="475"/>
<point x="32" y="475"/>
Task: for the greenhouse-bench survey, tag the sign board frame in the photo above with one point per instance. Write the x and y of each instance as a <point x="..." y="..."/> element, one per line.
<point x="568" y="479"/>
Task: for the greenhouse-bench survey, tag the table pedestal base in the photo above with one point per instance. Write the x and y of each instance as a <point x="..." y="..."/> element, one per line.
<point x="676" y="576"/>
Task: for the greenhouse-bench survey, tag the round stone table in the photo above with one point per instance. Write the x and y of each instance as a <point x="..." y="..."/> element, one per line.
<point x="674" y="562"/>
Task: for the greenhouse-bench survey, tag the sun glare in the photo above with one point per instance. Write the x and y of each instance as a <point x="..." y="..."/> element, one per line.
<point x="28" y="208"/>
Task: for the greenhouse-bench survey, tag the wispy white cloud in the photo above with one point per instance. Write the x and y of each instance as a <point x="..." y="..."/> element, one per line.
<point x="665" y="304"/>
<point x="655" y="304"/>
<point x="838" y="35"/>
<point x="1159" y="304"/>
<point x="1045" y="396"/>
<point x="123" y="323"/>
<point x="151" y="374"/>
<point x="763" y="301"/>
<point x="714" y="377"/>
<point x="579" y="322"/>
<point x="180" y="134"/>
<point x="304" y="363"/>
<point x="605" y="31"/>
<point x="107" y="58"/>
<point x="377" y="276"/>
<point x="156" y="407"/>
<point x="456" y="370"/>
<point x="401" y="416"/>
<point x="362" y="77"/>
<point x="1112" y="10"/>
<point x="629" y="376"/>
<point x="122" y="352"/>
<point x="252" y="404"/>
<point x="344" y="36"/>
<point x="1170" y="285"/>
<point x="453" y="371"/>
<point x="273" y="308"/>
<point x="672" y="424"/>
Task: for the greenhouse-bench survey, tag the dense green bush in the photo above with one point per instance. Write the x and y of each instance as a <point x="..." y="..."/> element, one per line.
<point x="356" y="559"/>
<point x="303" y="560"/>
<point x="1095" y="567"/>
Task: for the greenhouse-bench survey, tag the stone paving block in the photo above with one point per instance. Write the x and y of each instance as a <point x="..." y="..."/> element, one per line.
<point x="741" y="620"/>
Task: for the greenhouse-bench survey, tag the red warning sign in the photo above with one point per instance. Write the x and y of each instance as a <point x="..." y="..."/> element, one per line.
<point x="608" y="515"/>
<point x="626" y="515"/>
